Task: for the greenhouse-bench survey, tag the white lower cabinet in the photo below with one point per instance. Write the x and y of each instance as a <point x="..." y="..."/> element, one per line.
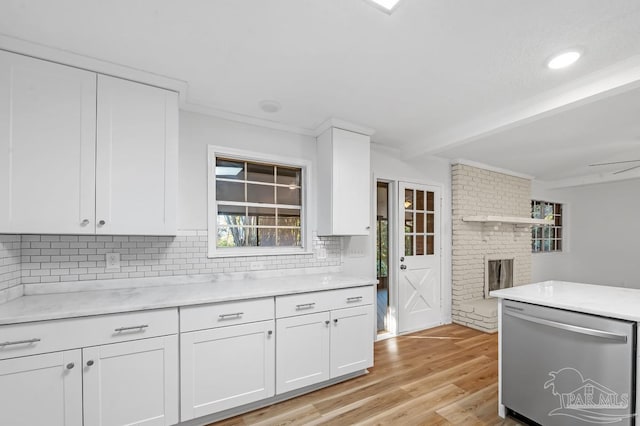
<point x="351" y="340"/>
<point x="302" y="351"/>
<point x="131" y="383"/>
<point x="226" y="367"/>
<point x="42" y="390"/>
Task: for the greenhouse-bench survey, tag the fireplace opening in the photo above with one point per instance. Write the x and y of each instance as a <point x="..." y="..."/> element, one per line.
<point x="498" y="274"/>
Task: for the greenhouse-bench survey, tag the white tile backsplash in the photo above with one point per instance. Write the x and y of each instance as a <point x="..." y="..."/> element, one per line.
<point x="65" y="258"/>
<point x="10" y="271"/>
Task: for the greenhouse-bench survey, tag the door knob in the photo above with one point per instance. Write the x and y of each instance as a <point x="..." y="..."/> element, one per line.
<point x="403" y="267"/>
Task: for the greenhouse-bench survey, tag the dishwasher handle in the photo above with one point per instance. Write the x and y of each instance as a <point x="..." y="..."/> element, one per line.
<point x="572" y="328"/>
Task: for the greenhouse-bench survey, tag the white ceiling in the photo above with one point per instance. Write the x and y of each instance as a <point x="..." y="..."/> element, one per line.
<point x="435" y="77"/>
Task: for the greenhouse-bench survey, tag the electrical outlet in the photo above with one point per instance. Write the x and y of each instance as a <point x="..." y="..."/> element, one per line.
<point x="112" y="262"/>
<point x="256" y="266"/>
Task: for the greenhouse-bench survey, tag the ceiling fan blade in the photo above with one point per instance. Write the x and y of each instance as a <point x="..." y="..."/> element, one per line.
<point x="626" y="170"/>
<point x="614" y="162"/>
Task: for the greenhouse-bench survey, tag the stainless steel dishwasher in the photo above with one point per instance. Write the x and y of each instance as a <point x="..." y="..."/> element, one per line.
<point x="567" y="368"/>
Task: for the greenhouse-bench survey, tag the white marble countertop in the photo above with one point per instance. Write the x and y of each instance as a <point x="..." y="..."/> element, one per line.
<point x="40" y="307"/>
<point x="614" y="302"/>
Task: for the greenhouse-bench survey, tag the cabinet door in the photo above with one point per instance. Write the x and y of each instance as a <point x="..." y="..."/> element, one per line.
<point x="47" y="147"/>
<point x="351" y="340"/>
<point x="131" y="383"/>
<point x="302" y="351"/>
<point x="42" y="390"/>
<point x="137" y="158"/>
<point x="226" y="367"/>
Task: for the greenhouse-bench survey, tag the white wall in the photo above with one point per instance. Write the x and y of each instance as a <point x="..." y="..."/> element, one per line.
<point x="386" y="165"/>
<point x="197" y="131"/>
<point x="603" y="244"/>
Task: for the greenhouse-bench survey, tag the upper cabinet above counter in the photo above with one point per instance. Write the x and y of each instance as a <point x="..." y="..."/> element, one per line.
<point x="344" y="183"/>
<point x="85" y="153"/>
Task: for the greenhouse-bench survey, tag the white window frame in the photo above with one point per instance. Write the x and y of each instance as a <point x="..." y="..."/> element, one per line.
<point x="564" y="226"/>
<point x="214" y="152"/>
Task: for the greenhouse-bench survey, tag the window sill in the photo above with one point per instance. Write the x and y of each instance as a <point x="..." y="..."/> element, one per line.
<point x="256" y="253"/>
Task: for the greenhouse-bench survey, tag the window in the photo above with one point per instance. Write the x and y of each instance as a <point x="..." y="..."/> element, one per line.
<point x="256" y="205"/>
<point x="546" y="238"/>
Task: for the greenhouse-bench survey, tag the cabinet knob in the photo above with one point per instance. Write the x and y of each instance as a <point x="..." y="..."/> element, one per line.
<point x="70" y="366"/>
<point x="102" y="223"/>
<point x="84" y="222"/>
<point x="89" y="363"/>
<point x="367" y="228"/>
<point x="335" y="320"/>
<point x="270" y="332"/>
<point x="327" y="322"/>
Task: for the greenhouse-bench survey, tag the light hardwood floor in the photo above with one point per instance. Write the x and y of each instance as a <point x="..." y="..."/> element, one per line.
<point x="443" y="376"/>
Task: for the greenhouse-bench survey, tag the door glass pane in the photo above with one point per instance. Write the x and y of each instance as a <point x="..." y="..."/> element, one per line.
<point x="430" y="222"/>
<point x="408" y="245"/>
<point x="419" y="245"/>
<point x="290" y="196"/>
<point x="260" y="173"/>
<point x="419" y="223"/>
<point x="229" y="191"/>
<point x="408" y="222"/>
<point x="260" y="193"/>
<point x="408" y="199"/>
<point x="420" y="200"/>
<point x="430" y="247"/>
<point x="430" y="201"/>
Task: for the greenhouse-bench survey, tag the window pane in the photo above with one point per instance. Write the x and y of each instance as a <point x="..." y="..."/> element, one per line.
<point x="430" y="242"/>
<point x="430" y="223"/>
<point x="265" y="237"/>
<point x="231" y="215"/>
<point x="260" y="193"/>
<point x="290" y="196"/>
<point x="260" y="173"/>
<point x="229" y="236"/>
<point x="229" y="191"/>
<point x="289" y="176"/>
<point x="289" y="237"/>
<point x="229" y="169"/>
<point x="288" y="217"/>
<point x="261" y="216"/>
<point x="419" y="223"/>
<point x="420" y="200"/>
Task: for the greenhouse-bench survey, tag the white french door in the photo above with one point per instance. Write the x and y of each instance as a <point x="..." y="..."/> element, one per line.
<point x="419" y="284"/>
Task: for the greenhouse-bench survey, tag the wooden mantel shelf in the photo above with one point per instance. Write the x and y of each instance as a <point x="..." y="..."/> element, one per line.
<point x="508" y="219"/>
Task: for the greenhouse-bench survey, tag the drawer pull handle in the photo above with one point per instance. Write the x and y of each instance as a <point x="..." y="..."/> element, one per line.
<point x="135" y="327"/>
<point x="235" y="314"/>
<point x="354" y="299"/>
<point x="306" y="305"/>
<point x="19" y="342"/>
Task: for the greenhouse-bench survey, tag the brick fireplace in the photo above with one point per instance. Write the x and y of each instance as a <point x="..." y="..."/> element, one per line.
<point x="476" y="192"/>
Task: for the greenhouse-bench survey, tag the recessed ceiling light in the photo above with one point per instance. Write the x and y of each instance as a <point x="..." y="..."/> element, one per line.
<point x="270" y="106"/>
<point x="386" y="5"/>
<point x="563" y="59"/>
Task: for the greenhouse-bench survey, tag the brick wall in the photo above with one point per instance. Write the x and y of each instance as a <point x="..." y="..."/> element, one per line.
<point x="477" y="191"/>
<point x="9" y="267"/>
<point x="39" y="259"/>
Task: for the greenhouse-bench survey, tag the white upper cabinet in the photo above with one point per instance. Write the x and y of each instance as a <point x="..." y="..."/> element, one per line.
<point x="137" y="158"/>
<point x="344" y="183"/>
<point x="47" y="147"/>
<point x="83" y="153"/>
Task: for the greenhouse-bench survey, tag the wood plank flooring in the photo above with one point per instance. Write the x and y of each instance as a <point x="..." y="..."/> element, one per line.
<point x="443" y="376"/>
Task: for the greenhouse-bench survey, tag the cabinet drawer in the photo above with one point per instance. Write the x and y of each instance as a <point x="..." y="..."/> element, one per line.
<point x="349" y="297"/>
<point x="49" y="336"/>
<point x="301" y="304"/>
<point x="320" y="301"/>
<point x="224" y="314"/>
